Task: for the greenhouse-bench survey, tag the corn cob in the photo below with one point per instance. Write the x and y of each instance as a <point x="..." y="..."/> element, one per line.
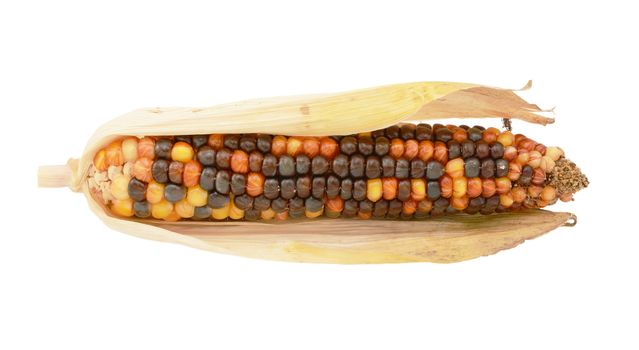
<point x="401" y="172"/>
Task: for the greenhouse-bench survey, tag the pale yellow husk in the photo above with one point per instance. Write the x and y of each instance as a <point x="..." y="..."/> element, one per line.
<point x="331" y="241"/>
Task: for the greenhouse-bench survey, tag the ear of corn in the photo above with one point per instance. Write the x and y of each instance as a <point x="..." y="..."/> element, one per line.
<point x="150" y="208"/>
<point x="431" y="170"/>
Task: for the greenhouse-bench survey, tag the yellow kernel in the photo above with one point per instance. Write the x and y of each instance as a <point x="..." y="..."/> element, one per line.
<point x="221" y="213"/>
<point x="460" y="186"/>
<point x="182" y="152"/>
<point x="162" y="209"/>
<point x="99" y="161"/>
<point x="184" y="209"/>
<point x="197" y="196"/>
<point x="506" y="138"/>
<point x="506" y="199"/>
<point x="547" y="164"/>
<point x="268" y="214"/>
<point x="455" y="168"/>
<point x="374" y="189"/>
<point x="130" y="149"/>
<point x="554" y="153"/>
<point x="417" y="189"/>
<point x="235" y="213"/>
<point x="122" y="207"/>
<point x="120" y="187"/>
<point x="313" y="215"/>
<point x="154" y="192"/>
<point x="548" y="194"/>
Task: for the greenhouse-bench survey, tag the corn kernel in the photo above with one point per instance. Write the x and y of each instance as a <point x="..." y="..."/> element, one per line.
<point x="474" y="187"/>
<point x="122" y="207"/>
<point x="99" y="161"/>
<point x="114" y="154"/>
<point x="502" y="185"/>
<point x="313" y="215"/>
<point x="197" y="196"/>
<point x="535" y="159"/>
<point x="460" y="186"/>
<point x="328" y="148"/>
<point x="523" y="157"/>
<point x="146" y="148"/>
<point x="142" y="169"/>
<point x="294" y="146"/>
<point x="254" y="184"/>
<point x="278" y="145"/>
<point x="506" y="138"/>
<point x="130" y="149"/>
<point x="235" y="213"/>
<point x="268" y="214"/>
<point x="459" y="203"/>
<point x="547" y="164"/>
<point x="154" y="192"/>
<point x="216" y="141"/>
<point x="389" y="188"/>
<point x="221" y="213"/>
<point x="281" y="216"/>
<point x="191" y="173"/>
<point x="455" y="168"/>
<point x="239" y="162"/>
<point x="182" y="152"/>
<point x="519" y="194"/>
<point x="311" y="147"/>
<point x="446" y="186"/>
<point x="411" y="149"/>
<point x="418" y="189"/>
<point x="425" y="150"/>
<point x="409" y="207"/>
<point x="548" y="194"/>
<point x="554" y="153"/>
<point x="488" y="188"/>
<point x="173" y="216"/>
<point x="162" y="209"/>
<point x="374" y="189"/>
<point x="184" y="209"/>
<point x="506" y="199"/>
<point x="120" y="187"/>
<point x="534" y="191"/>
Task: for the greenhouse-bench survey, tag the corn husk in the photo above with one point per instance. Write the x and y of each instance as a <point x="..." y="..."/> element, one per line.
<point x="447" y="239"/>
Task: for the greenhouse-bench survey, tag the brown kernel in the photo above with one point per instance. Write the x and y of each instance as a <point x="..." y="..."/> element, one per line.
<point x="176" y="169"/>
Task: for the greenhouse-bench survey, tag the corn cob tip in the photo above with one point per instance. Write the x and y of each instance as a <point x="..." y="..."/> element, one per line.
<point x="567" y="178"/>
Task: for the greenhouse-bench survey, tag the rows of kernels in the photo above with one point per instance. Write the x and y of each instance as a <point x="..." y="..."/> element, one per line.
<point x="408" y="164"/>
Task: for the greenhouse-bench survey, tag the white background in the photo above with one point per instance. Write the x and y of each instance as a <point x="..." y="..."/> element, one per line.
<point x="68" y="282"/>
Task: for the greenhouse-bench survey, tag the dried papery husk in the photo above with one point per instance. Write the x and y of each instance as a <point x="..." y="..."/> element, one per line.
<point x="446" y="239"/>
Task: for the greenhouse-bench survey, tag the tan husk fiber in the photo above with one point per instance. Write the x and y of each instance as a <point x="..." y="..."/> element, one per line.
<point x="447" y="239"/>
